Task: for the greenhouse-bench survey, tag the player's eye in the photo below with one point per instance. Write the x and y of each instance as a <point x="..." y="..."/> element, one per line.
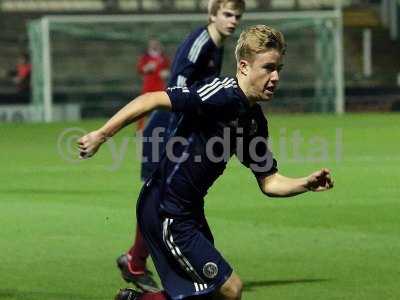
<point x="270" y="67"/>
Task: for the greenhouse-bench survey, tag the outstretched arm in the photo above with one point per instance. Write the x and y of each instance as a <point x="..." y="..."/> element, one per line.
<point x="277" y="185"/>
<point x="134" y="110"/>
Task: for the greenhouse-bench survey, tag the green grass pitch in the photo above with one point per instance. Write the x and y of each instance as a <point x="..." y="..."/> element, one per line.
<point x="63" y="223"/>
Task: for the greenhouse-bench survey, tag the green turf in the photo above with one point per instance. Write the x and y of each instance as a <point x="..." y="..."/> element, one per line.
<point x="62" y="224"/>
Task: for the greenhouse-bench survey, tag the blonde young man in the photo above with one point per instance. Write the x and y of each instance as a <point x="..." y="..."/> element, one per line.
<point x="170" y="208"/>
<point x="199" y="56"/>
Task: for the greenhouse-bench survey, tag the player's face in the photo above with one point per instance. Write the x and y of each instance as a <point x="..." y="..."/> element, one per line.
<point x="263" y="75"/>
<point x="227" y="19"/>
<point x="154" y="45"/>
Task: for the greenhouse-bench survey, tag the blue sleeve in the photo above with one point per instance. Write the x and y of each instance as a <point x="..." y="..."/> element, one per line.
<point x="183" y="99"/>
<point x="254" y="151"/>
<point x="216" y="98"/>
<point x="258" y="158"/>
<point x="187" y="61"/>
<point x="184" y="74"/>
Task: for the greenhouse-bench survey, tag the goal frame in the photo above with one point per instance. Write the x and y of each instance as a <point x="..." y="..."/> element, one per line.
<point x="45" y="22"/>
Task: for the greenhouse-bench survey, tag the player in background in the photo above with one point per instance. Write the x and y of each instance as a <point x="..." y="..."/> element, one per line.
<point x="153" y="66"/>
<point x="170" y="208"/>
<point x="199" y="56"/>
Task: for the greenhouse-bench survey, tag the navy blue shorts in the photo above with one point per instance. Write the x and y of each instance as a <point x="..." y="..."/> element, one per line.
<point x="182" y="250"/>
<point x="155" y="137"/>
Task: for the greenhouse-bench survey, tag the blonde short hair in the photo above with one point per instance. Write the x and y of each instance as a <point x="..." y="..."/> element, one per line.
<point x="259" y="39"/>
<point x="215" y="5"/>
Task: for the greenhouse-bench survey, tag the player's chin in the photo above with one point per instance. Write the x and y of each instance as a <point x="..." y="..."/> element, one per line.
<point x="229" y="32"/>
<point x="267" y="96"/>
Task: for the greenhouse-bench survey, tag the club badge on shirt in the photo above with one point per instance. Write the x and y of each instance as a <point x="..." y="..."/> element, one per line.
<point x="210" y="270"/>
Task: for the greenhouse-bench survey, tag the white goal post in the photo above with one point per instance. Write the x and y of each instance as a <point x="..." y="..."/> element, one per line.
<point x="41" y="35"/>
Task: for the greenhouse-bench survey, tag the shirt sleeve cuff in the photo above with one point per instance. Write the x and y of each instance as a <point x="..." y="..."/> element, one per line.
<point x="265" y="173"/>
<point x="182" y="99"/>
<point x="177" y="103"/>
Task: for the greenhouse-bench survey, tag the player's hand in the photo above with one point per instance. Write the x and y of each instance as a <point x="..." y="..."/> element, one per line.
<point x="164" y="74"/>
<point x="319" y="181"/>
<point x="149" y="67"/>
<point x="90" y="143"/>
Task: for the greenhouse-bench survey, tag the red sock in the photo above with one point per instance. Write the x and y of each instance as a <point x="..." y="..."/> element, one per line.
<point x="138" y="253"/>
<point x="153" y="296"/>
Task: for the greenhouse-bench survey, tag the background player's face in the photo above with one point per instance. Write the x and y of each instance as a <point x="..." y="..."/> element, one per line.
<point x="154" y="46"/>
<point x="227" y="19"/>
<point x="263" y="75"/>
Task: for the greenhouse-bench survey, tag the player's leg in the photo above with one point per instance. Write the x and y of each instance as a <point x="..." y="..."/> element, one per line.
<point x="204" y="273"/>
<point x="139" y="253"/>
<point x="130" y="294"/>
<point x="230" y="290"/>
<point x="133" y="263"/>
<point x="187" y="262"/>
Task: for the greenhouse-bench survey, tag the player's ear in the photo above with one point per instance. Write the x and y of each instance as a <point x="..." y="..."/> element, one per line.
<point x="213" y="18"/>
<point x="244" y="67"/>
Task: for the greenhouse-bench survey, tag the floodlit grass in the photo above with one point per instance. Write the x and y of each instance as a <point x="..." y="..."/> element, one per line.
<point x="63" y="223"/>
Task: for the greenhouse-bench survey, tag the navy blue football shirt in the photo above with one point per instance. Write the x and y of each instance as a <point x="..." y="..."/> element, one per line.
<point x="215" y="122"/>
<point x="196" y="59"/>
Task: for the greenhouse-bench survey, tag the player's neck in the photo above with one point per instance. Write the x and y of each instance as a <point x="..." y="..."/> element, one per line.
<point x="243" y="84"/>
<point x="215" y="35"/>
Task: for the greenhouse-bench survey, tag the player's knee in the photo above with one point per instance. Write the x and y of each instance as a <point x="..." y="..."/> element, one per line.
<point x="231" y="289"/>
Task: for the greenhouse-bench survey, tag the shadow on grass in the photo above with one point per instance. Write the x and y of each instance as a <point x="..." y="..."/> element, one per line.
<point x="39" y="295"/>
<point x="6" y="294"/>
<point x="49" y="191"/>
<point x="30" y="295"/>
<point x="251" y="285"/>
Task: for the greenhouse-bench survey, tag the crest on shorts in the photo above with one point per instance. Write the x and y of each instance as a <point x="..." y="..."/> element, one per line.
<point x="210" y="270"/>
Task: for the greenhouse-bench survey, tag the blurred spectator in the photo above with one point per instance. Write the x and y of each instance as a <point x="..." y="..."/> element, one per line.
<point x="154" y="67"/>
<point x="264" y="4"/>
<point x="167" y="4"/>
<point x="111" y="5"/>
<point x="21" y="77"/>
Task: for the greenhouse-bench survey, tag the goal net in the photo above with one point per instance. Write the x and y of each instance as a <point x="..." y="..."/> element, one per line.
<point x="90" y="60"/>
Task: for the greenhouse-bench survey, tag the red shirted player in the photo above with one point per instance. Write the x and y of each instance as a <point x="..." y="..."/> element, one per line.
<point x="21" y="75"/>
<point x="153" y="65"/>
